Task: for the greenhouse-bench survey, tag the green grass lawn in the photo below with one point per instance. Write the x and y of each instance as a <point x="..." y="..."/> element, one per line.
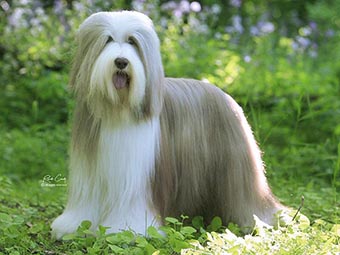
<point x="27" y="210"/>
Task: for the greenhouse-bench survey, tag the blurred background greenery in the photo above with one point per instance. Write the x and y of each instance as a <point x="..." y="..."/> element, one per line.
<point x="279" y="59"/>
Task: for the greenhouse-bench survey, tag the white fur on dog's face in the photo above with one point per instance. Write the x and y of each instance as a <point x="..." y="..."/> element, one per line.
<point x="104" y="69"/>
<point x="103" y="38"/>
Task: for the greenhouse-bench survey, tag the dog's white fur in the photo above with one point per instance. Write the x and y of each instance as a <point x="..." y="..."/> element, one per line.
<point x="155" y="147"/>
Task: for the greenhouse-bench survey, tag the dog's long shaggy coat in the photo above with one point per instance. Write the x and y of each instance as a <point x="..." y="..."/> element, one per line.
<point x="145" y="147"/>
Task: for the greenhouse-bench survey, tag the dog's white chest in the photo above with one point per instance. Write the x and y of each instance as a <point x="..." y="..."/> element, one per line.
<point x="125" y="165"/>
<point x="128" y="150"/>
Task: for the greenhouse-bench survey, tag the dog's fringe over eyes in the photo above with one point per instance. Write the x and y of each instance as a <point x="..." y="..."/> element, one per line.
<point x="145" y="147"/>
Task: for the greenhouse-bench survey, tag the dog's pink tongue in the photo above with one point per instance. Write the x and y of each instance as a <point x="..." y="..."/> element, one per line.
<point x="120" y="80"/>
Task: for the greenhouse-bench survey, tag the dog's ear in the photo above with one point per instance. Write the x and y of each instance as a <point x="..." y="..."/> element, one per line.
<point x="148" y="45"/>
<point x="90" y="41"/>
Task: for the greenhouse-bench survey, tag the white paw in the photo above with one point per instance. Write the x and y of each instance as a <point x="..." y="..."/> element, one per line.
<point x="135" y="222"/>
<point x="66" y="223"/>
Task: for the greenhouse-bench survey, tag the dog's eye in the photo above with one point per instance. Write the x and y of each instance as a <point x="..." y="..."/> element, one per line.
<point x="109" y="39"/>
<point x="131" y="41"/>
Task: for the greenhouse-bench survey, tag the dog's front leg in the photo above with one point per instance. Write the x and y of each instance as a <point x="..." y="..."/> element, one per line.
<point x="135" y="215"/>
<point x="83" y="201"/>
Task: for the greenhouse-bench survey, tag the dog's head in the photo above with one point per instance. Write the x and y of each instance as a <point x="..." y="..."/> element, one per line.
<point x="118" y="64"/>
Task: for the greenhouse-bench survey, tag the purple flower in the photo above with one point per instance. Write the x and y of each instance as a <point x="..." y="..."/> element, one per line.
<point x="247" y="58"/>
<point x="15" y="19"/>
<point x="184" y="6"/>
<point x="303" y="42"/>
<point x="178" y="13"/>
<point x="330" y="33"/>
<point x="295" y="46"/>
<point x="305" y="31"/>
<point x="237" y="23"/>
<point x="313" y="25"/>
<point x="181" y="8"/>
<point x="171" y="5"/>
<point x="236" y="3"/>
<point x="266" y="27"/>
<point x="254" y="30"/>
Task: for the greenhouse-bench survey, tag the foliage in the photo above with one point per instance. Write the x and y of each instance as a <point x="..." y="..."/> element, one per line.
<point x="31" y="101"/>
<point x="293" y="239"/>
<point x="27" y="216"/>
<point x="280" y="60"/>
<point x="33" y="152"/>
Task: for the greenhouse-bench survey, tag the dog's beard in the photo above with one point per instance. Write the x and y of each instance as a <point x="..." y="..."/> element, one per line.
<point x="113" y="90"/>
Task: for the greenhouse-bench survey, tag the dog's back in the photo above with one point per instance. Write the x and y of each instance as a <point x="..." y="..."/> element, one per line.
<point x="206" y="139"/>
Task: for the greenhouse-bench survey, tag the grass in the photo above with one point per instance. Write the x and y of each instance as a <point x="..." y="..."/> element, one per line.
<point x="27" y="210"/>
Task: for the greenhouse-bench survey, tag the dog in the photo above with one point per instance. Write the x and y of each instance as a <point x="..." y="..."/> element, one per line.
<point x="145" y="147"/>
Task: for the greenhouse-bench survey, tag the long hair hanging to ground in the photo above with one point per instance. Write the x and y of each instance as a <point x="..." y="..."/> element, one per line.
<point x="145" y="147"/>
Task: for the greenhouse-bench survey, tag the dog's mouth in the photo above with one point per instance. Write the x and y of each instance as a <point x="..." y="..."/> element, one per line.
<point x="121" y="80"/>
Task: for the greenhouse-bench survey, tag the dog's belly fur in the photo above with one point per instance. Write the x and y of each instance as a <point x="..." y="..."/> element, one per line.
<point x="209" y="163"/>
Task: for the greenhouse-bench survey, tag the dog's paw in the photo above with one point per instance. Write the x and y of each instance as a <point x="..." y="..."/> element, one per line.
<point x="66" y="223"/>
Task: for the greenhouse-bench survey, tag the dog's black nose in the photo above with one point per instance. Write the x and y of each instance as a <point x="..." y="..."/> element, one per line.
<point x="121" y="63"/>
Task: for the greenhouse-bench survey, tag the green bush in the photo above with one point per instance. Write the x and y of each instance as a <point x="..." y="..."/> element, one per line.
<point x="31" y="101"/>
<point x="33" y="153"/>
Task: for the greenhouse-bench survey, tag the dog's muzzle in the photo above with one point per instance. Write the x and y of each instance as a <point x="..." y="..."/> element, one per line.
<point x="121" y="78"/>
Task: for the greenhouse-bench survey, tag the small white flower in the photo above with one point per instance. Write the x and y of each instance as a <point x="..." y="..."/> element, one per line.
<point x="195" y="7"/>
